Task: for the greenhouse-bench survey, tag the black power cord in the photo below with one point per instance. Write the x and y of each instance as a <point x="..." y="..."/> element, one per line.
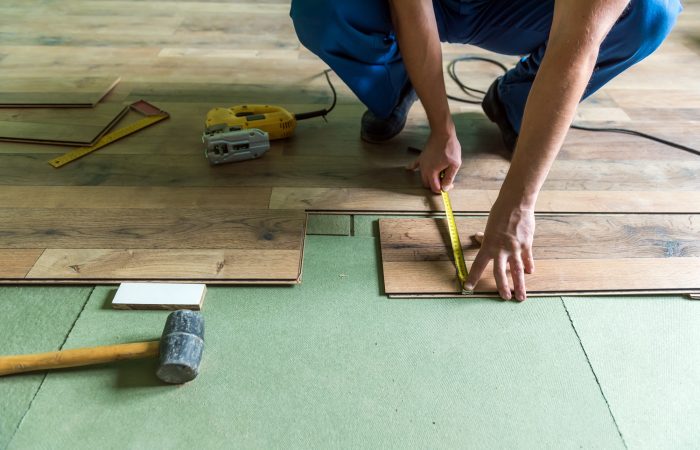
<point x="321" y="112"/>
<point x="477" y="97"/>
<point x="472" y="92"/>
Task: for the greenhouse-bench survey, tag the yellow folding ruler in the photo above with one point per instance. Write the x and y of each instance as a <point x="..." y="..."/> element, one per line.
<point x="152" y="115"/>
<point x="462" y="272"/>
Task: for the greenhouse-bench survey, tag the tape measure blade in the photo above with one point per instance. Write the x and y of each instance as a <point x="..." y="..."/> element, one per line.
<point x="460" y="264"/>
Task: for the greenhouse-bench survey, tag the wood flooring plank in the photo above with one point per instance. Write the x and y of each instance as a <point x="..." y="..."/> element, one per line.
<point x="70" y="126"/>
<point x="587" y="145"/>
<point x="373" y="200"/>
<point x="146" y="197"/>
<point x="473" y="200"/>
<point x="572" y="253"/>
<point x="656" y="98"/>
<point x="556" y="237"/>
<point x="54" y="91"/>
<point x="666" y="202"/>
<point x="103" y="168"/>
<point x="151" y="228"/>
<point x="16" y="263"/>
<point x="214" y="264"/>
<point x="554" y="275"/>
<point x="48" y="133"/>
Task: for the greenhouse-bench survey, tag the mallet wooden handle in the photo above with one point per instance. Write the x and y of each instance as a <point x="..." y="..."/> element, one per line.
<point x="77" y="357"/>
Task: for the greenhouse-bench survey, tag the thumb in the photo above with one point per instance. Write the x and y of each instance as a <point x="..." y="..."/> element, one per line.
<point x="449" y="178"/>
<point x="413" y="166"/>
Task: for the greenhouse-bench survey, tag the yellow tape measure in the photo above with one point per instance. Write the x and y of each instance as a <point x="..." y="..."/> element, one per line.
<point x="462" y="272"/>
<point x="109" y="138"/>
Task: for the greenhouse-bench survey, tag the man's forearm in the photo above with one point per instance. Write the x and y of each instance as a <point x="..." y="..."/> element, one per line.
<point x="578" y="29"/>
<point x="418" y="38"/>
<point x="551" y="105"/>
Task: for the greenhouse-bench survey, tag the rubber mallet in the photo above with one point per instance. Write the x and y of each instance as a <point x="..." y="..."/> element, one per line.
<point x="180" y="349"/>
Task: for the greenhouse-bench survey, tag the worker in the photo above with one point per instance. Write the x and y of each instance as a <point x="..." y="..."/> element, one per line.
<point x="388" y="52"/>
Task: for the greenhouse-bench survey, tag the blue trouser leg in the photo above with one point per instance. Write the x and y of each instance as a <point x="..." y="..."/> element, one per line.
<point x="513" y="27"/>
<point x="356" y="39"/>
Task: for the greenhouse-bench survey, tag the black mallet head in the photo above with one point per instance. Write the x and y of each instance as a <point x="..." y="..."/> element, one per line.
<point x="181" y="347"/>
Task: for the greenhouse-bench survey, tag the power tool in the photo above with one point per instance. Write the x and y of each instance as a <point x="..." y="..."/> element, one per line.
<point x="277" y="122"/>
<point x="225" y="144"/>
<point x="239" y="133"/>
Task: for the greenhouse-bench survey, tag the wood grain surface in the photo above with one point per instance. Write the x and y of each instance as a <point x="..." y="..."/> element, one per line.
<point x="217" y="245"/>
<point x="208" y="265"/>
<point x="141" y="202"/>
<point x="572" y="253"/>
<point x="68" y="92"/>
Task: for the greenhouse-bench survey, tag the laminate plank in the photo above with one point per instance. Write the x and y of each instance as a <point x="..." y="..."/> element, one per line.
<point x="215" y="264"/>
<point x="494" y="295"/>
<point x="54" y="91"/>
<point x="16" y="263"/>
<point x="103" y="168"/>
<point x="656" y="98"/>
<point x="586" y="237"/>
<point x="473" y="200"/>
<point x="54" y="228"/>
<point x="48" y="133"/>
<point x="378" y="200"/>
<point x="666" y="202"/>
<point x="572" y="253"/>
<point x="130" y="197"/>
<point x="586" y="145"/>
<point x="659" y="275"/>
<point x="69" y="126"/>
<point x="99" y="115"/>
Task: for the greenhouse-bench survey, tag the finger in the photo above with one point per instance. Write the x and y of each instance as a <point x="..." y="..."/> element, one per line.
<point x="528" y="260"/>
<point x="479" y="237"/>
<point x="449" y="178"/>
<point x="499" y="273"/>
<point x="413" y="166"/>
<point x="517" y="271"/>
<point x="434" y="180"/>
<point x="477" y="269"/>
<point x="426" y="179"/>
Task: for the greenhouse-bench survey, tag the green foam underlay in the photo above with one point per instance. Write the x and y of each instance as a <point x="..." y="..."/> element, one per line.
<point x="333" y="363"/>
<point x="34" y="320"/>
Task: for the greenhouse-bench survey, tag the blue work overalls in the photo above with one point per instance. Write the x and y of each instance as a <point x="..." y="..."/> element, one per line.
<point x="356" y="39"/>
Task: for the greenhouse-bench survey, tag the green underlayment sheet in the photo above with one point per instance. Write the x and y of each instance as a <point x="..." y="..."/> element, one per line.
<point x="35" y="319"/>
<point x="646" y="354"/>
<point x="329" y="224"/>
<point x="333" y="363"/>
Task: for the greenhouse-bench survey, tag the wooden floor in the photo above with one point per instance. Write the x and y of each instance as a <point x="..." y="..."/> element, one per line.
<point x="574" y="254"/>
<point x="150" y="206"/>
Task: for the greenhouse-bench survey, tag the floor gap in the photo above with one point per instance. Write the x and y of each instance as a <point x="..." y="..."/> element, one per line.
<point x="31" y="402"/>
<point x="600" y="388"/>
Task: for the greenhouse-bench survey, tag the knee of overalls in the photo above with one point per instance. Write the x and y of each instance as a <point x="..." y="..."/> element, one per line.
<point x="647" y="23"/>
<point x="312" y="21"/>
<point x="324" y="25"/>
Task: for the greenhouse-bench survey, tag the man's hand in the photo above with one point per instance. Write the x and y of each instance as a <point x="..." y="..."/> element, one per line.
<point x="419" y="41"/>
<point x="578" y="28"/>
<point x="442" y="152"/>
<point x="507" y="241"/>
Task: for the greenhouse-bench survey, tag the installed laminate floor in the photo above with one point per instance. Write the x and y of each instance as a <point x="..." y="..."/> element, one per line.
<point x="136" y="209"/>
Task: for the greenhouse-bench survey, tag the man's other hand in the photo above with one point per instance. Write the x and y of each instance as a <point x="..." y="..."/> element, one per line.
<point x="441" y="152"/>
<point x="507" y="241"/>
